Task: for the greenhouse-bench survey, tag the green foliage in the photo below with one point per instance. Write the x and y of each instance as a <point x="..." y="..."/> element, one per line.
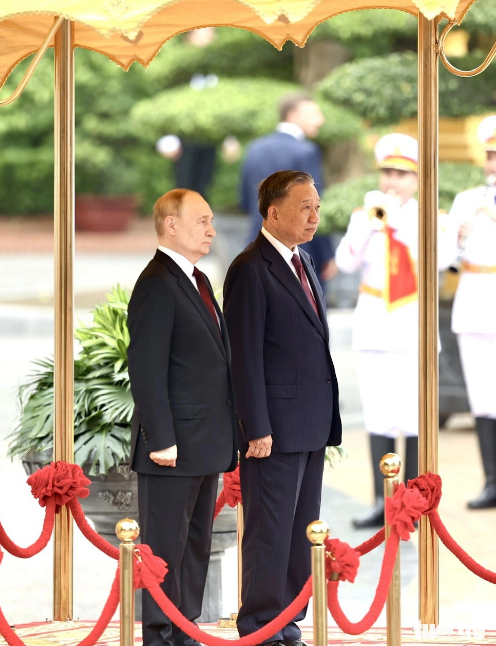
<point x="383" y="89"/>
<point x="103" y="405"/>
<point x="480" y="18"/>
<point x="241" y="107"/>
<point x="232" y="53"/>
<point x="339" y="200"/>
<point x="370" y="32"/>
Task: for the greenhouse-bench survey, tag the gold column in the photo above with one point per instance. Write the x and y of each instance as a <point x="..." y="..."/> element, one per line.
<point x="390" y="467"/>
<point x="127" y="531"/>
<point x="64" y="335"/>
<point x="428" y="304"/>
<point x="317" y="532"/>
<point x="241" y="528"/>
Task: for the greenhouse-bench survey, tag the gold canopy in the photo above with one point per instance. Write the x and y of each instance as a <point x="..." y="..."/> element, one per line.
<point x="134" y="30"/>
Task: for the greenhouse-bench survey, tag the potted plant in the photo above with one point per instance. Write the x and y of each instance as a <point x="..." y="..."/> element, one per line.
<point x="103" y="408"/>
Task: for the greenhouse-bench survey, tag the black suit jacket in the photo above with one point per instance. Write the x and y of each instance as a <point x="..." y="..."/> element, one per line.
<point x="284" y="379"/>
<point x="180" y="376"/>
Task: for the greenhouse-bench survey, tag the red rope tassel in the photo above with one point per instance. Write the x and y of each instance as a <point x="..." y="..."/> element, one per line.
<point x="459" y="552"/>
<point x="220" y="504"/>
<point x="38" y="545"/>
<point x="380" y="595"/>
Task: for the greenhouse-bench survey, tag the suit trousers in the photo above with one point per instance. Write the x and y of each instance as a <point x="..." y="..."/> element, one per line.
<point x="281" y="496"/>
<point x="176" y="518"/>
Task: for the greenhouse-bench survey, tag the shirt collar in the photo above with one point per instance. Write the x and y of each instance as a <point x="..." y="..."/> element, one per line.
<point x="291" y="129"/>
<point x="180" y="260"/>
<point x="285" y="252"/>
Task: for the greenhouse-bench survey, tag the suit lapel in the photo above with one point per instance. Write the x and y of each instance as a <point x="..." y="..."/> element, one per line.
<point x="189" y="289"/>
<point x="279" y="267"/>
<point x="314" y="284"/>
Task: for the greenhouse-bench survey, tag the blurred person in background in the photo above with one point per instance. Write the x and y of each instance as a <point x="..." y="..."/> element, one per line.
<point x="381" y="241"/>
<point x="473" y="216"/>
<point x="289" y="148"/>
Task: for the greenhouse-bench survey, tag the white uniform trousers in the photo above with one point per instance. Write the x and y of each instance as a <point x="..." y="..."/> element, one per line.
<point x="478" y="356"/>
<point x="388" y="384"/>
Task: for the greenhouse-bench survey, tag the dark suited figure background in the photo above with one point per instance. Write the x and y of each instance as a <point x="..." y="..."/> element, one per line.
<point x="289" y="147"/>
<point x="184" y="426"/>
<point x="286" y="395"/>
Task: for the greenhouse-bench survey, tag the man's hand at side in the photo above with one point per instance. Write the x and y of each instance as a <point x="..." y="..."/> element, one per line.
<point x="260" y="448"/>
<point x="166" y="457"/>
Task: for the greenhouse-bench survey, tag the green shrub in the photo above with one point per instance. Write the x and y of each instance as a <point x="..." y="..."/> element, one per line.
<point x="383" y="89"/>
<point x="370" y="32"/>
<point x="241" y="107"/>
<point x="339" y="200"/>
<point x="232" y="53"/>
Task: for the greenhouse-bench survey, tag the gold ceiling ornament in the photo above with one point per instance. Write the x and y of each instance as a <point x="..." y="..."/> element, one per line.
<point x="130" y="30"/>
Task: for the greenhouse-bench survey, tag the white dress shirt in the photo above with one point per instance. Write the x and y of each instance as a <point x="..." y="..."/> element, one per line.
<point x="291" y="129"/>
<point x="285" y="252"/>
<point x="187" y="266"/>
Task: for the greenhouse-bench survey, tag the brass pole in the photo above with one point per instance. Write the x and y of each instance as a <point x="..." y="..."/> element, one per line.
<point x="390" y="467"/>
<point x="64" y="256"/>
<point x="127" y="531"/>
<point x="317" y="532"/>
<point x="241" y="528"/>
<point x="428" y="304"/>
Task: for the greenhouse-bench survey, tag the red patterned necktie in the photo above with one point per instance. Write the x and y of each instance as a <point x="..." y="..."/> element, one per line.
<point x="304" y="281"/>
<point x="201" y="281"/>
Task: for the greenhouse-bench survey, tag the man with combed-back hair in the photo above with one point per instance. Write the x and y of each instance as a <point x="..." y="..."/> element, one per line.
<point x="184" y="427"/>
<point x="286" y="398"/>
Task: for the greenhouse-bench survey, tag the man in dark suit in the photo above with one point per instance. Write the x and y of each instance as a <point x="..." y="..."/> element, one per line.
<point x="286" y="396"/>
<point x="184" y="426"/>
<point x="289" y="148"/>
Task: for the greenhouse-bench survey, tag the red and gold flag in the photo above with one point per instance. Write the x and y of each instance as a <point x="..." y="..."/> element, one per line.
<point x="401" y="275"/>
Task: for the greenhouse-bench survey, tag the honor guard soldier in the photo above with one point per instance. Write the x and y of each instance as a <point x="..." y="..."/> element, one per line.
<point x="473" y="216"/>
<point x="381" y="241"/>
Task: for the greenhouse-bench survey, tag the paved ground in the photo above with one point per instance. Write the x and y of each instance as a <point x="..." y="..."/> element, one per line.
<point x="26" y="323"/>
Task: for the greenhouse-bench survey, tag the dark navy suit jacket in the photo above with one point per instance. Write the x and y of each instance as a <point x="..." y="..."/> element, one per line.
<point x="284" y="379"/>
<point x="270" y="154"/>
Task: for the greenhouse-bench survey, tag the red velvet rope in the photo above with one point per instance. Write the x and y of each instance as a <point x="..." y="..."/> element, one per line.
<point x="371" y="543"/>
<point x="88" y="532"/>
<point x="108" y="611"/>
<point x="458" y="551"/>
<point x="38" y="545"/>
<point x="258" y="637"/>
<point x="380" y="594"/>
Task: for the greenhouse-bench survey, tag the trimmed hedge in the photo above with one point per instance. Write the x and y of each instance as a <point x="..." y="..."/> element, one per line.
<point x="339" y="200"/>
<point x="383" y="89"/>
<point x="241" y="107"/>
<point x="232" y="53"/>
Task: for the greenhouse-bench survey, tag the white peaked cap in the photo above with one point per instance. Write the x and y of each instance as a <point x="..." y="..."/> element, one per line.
<point x="487" y="132"/>
<point x="397" y="151"/>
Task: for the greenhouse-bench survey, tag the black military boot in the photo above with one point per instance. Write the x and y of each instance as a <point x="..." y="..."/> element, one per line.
<point x="411" y="458"/>
<point x="379" y="446"/>
<point x="486" y="432"/>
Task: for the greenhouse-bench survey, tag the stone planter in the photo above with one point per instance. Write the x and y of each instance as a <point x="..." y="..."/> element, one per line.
<point x="115" y="496"/>
<point x="104" y="214"/>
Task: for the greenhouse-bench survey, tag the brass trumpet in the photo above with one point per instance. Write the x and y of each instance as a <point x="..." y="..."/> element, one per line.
<point x="377" y="218"/>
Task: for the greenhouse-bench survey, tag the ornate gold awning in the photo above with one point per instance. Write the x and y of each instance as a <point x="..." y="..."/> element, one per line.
<point x="133" y="30"/>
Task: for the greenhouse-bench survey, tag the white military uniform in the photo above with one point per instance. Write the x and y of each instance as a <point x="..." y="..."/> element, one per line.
<point x="474" y="307"/>
<point x="384" y="338"/>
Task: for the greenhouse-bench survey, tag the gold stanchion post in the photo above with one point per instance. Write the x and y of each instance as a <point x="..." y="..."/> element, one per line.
<point x="127" y="531"/>
<point x="390" y="467"/>
<point x="317" y="532"/>
<point x="64" y="306"/>
<point x="428" y="304"/>
<point x="231" y="623"/>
